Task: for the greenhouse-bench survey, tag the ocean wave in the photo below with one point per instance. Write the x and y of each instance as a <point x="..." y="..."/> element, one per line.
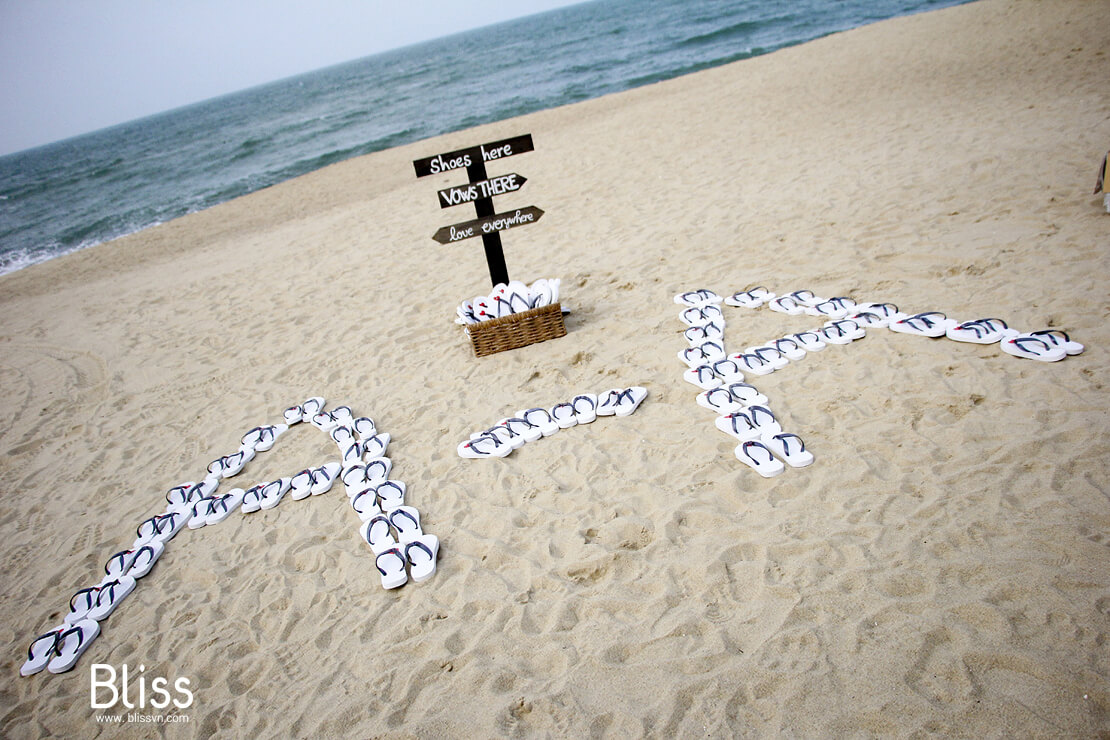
<point x="743" y="29"/>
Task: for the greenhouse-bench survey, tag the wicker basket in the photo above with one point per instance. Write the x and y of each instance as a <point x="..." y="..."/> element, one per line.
<point x="517" y="330"/>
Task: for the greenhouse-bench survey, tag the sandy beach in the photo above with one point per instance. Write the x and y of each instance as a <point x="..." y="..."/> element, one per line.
<point x="942" y="569"/>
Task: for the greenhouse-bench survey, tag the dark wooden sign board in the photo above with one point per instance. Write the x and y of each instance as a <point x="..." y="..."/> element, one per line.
<point x="471" y="192"/>
<point x="480" y="191"/>
<point x="488" y="225"/>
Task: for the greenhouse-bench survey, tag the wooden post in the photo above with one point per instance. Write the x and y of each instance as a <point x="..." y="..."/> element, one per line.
<point x="495" y="256"/>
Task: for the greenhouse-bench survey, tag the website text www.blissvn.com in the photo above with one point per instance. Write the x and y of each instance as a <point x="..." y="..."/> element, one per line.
<point x="138" y="718"/>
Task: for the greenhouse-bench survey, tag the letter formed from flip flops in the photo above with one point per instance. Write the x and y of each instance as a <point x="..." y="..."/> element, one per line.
<point x="363" y="469"/>
<point x="532" y="424"/>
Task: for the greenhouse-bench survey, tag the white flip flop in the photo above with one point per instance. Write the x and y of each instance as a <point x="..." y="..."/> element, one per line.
<point x="234" y="463"/>
<point x="789" y="447"/>
<point x="789" y="348"/>
<point x="844" y="329"/>
<point x="541" y="419"/>
<point x="786" y="304"/>
<point x="323" y="478"/>
<point x="754" y="364"/>
<point x="378" y="470"/>
<point x="810" y="341"/>
<point x="111" y="594"/>
<point x="738" y="424"/>
<point x="695" y="335"/>
<point x="72" y="644"/>
<point x="746" y="394"/>
<point x="483" y="446"/>
<point x="43" y="649"/>
<point x="351" y="454"/>
<point x="293" y="415"/>
<point x="197" y="519"/>
<point x="805" y="298"/>
<point x="1059" y="338"/>
<point x="827" y="309"/>
<point x="376" y="534"/>
<point x="312" y="406"/>
<point x="926" y="324"/>
<point x="868" y="320"/>
<point x="521" y="427"/>
<point x="728" y="370"/>
<point x="252" y="499"/>
<point x="406" y="520"/>
<point x="273" y="492"/>
<point x="145" y="558"/>
<point x="323" y="421"/>
<point x="80" y="604"/>
<point x="756" y="456"/>
<point x="719" y="401"/>
<point x="1029" y="347"/>
<point x="776" y="359"/>
<point x="391" y="564"/>
<point x="981" y="331"/>
<point x="563" y="414"/>
<point x="764" y="420"/>
<point x="364" y="427"/>
<point x="390" y="495"/>
<point x="752" y="298"/>
<point x="343" y="436"/>
<point x="300" y="486"/>
<point x="584" y="406"/>
<point x="365" y="503"/>
<point x="119" y="563"/>
<point x="222" y="506"/>
<point x="376" y="445"/>
<point x="702" y="376"/>
<point x="421" y="554"/>
<point x="630" y="399"/>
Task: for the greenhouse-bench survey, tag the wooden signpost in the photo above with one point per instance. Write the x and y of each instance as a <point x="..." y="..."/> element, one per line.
<point x="480" y="191"/>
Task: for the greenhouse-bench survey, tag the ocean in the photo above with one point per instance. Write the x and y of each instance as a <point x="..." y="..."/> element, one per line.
<point x="83" y="191"/>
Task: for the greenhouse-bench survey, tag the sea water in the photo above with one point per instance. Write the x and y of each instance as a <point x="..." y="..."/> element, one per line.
<point x="86" y="190"/>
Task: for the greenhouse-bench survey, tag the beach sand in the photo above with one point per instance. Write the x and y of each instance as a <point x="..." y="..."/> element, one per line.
<point x="943" y="569"/>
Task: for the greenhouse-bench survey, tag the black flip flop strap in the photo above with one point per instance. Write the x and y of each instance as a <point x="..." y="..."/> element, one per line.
<point x="121" y="555"/>
<point x="785" y="446"/>
<point x="760" y="445"/>
<point x="574" y="403"/>
<point x="740" y="415"/>
<point x="1020" y="342"/>
<point x="76" y="629"/>
<point x="391" y="551"/>
<point x="391" y="485"/>
<point x="1050" y="332"/>
<point x="110" y="589"/>
<point x="40" y="638"/>
<point x="89" y="600"/>
<point x="138" y="553"/>
<point x="403" y="513"/>
<point x="370" y="528"/>
<point x="420" y="545"/>
<point x="709" y="394"/>
<point x="752" y="411"/>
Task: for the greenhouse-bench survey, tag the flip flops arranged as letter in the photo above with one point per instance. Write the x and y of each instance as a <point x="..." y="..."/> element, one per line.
<point x="505" y="300"/>
<point x="846" y="317"/>
<point x="742" y="411"/>
<point x="741" y="408"/>
<point x="362" y="467"/>
<point x="531" y="424"/>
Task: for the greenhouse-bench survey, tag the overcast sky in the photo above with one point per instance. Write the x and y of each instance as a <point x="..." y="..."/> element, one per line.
<point x="72" y="66"/>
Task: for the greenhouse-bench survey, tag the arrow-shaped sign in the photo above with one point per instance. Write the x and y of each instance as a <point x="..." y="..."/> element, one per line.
<point x="473" y="155"/>
<point x="488" y="225"/>
<point x="482" y="189"/>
